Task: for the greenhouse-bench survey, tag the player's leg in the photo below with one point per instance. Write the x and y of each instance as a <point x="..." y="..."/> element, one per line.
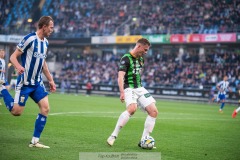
<point x="150" y="120"/>
<point x="222" y="98"/>
<point x="16" y="106"/>
<point x="124" y="117"/>
<point x="147" y="103"/>
<point x="7" y="86"/>
<point x="40" y="123"/>
<point x="41" y="98"/>
<point x="122" y="121"/>
<point x="131" y="103"/>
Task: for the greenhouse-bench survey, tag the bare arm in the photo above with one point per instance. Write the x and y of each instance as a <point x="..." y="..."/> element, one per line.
<point x="121" y="75"/>
<point x="14" y="60"/>
<point x="49" y="77"/>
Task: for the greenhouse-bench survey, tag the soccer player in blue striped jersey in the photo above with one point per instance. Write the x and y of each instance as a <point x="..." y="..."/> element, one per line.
<point x="222" y="87"/>
<point x="3" y="68"/>
<point x="2" y="65"/>
<point x="32" y="50"/>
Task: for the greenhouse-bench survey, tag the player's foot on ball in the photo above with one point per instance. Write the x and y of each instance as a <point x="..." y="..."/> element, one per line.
<point x="111" y="140"/>
<point x="38" y="145"/>
<point x="234" y="114"/>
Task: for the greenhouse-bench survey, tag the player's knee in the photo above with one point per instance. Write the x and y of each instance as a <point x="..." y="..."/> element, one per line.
<point x="17" y="110"/>
<point x="154" y="113"/>
<point x="45" y="110"/>
<point x="132" y="109"/>
<point x="16" y="113"/>
<point x="152" y="110"/>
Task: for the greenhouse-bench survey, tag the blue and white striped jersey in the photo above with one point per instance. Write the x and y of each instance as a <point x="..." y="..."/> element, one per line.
<point x="34" y="54"/>
<point x="2" y="68"/>
<point x="223" y="85"/>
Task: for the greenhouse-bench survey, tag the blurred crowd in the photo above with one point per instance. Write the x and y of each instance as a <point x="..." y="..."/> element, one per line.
<point x="187" y="70"/>
<point x="85" y="18"/>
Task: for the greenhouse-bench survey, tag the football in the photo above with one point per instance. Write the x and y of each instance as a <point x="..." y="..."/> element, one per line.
<point x="147" y="142"/>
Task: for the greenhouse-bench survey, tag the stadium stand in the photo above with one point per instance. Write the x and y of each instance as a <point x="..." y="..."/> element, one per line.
<point x="87" y="18"/>
<point x="164" y="72"/>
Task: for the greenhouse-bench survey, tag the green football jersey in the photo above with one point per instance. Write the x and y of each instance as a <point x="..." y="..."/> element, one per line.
<point x="132" y="66"/>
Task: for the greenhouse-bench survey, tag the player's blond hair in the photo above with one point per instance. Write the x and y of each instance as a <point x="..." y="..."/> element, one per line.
<point x="144" y="41"/>
<point x="44" y="20"/>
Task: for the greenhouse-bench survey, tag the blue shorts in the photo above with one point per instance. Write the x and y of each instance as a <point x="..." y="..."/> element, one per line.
<point x="36" y="92"/>
<point x="221" y="96"/>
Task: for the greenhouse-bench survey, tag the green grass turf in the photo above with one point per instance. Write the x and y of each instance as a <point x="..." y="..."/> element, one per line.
<point x="183" y="130"/>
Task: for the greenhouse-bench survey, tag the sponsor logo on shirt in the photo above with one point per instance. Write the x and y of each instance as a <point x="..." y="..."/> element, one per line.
<point x="39" y="55"/>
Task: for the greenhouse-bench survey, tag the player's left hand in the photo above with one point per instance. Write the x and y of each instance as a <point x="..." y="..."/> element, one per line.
<point x="52" y="86"/>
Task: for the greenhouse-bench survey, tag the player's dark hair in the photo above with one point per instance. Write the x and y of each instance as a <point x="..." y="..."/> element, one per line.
<point x="44" y="20"/>
<point x="144" y="41"/>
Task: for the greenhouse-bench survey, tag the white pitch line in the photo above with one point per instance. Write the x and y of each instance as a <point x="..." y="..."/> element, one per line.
<point x="90" y="114"/>
<point x="64" y="113"/>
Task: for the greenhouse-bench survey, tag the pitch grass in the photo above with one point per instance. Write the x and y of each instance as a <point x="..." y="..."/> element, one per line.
<point x="183" y="130"/>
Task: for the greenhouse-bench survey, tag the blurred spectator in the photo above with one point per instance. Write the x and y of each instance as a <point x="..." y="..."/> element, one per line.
<point x="63" y="86"/>
<point x="76" y="86"/>
<point x="88" y="88"/>
<point x="68" y="85"/>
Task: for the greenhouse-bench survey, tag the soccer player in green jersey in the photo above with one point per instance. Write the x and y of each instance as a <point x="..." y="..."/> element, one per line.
<point x="132" y="91"/>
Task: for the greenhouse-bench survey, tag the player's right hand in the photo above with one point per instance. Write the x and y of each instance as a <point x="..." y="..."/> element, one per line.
<point x="122" y="97"/>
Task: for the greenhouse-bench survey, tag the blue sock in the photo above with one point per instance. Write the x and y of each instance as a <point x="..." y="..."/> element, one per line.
<point x="39" y="125"/>
<point x="222" y="105"/>
<point x="8" y="100"/>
